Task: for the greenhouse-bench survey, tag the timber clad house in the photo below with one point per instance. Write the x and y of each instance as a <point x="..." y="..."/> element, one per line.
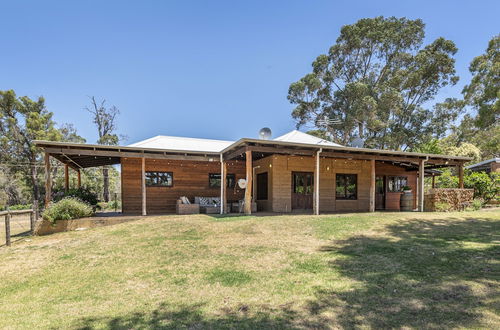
<point x="294" y="172"/>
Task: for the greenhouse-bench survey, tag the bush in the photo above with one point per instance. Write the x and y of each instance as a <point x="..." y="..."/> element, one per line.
<point x="443" y="207"/>
<point x="66" y="209"/>
<point x="83" y="194"/>
<point x="477" y="204"/>
<point x="17" y="207"/>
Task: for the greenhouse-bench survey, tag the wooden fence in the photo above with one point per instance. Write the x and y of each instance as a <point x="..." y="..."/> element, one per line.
<point x="33" y="213"/>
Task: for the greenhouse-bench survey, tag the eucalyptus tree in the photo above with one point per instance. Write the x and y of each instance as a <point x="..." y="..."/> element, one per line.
<point x="376" y="82"/>
<point x="23" y="120"/>
<point x="105" y="120"/>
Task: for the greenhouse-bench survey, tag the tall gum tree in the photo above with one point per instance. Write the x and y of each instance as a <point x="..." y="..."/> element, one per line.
<point x="376" y="81"/>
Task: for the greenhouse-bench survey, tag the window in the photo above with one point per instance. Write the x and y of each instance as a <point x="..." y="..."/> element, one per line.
<point x="262" y="186"/>
<point x="214" y="180"/>
<point x="346" y="186"/>
<point x="159" y="179"/>
<point x="396" y="183"/>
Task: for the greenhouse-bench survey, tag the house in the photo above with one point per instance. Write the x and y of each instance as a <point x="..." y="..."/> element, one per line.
<point x="294" y="172"/>
<point x="489" y="166"/>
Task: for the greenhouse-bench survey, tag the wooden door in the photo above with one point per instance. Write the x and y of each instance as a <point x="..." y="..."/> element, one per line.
<point x="380" y="192"/>
<point x="302" y="190"/>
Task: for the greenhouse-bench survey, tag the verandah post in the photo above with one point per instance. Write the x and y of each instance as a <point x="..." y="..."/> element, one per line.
<point x="316" y="183"/>
<point x="461" y="176"/>
<point x="372" y="185"/>
<point x="143" y="184"/>
<point x="421" y="176"/>
<point x="222" y="184"/>
<point x="66" y="178"/>
<point x="48" y="181"/>
<point x="248" y="190"/>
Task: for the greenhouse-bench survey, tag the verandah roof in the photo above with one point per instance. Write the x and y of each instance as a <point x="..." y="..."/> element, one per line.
<point x="79" y="155"/>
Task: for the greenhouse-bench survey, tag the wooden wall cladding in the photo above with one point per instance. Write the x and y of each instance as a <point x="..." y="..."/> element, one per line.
<point x="190" y="180"/>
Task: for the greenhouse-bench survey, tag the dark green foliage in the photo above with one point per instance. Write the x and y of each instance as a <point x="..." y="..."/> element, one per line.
<point x="486" y="186"/>
<point x="66" y="209"/>
<point x="84" y="194"/>
<point x="376" y="81"/>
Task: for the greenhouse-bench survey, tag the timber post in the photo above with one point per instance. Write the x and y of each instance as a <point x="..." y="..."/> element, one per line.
<point x="421" y="176"/>
<point x="223" y="168"/>
<point x="48" y="181"/>
<point x="66" y="178"/>
<point x="461" y="176"/>
<point x="316" y="183"/>
<point x="7" y="228"/>
<point x="143" y="185"/>
<point x="248" y="190"/>
<point x="372" y="185"/>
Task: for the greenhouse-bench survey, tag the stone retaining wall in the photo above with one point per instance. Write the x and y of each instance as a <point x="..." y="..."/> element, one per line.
<point x="454" y="198"/>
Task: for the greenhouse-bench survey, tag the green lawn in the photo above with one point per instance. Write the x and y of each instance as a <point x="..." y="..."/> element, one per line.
<point x="390" y="270"/>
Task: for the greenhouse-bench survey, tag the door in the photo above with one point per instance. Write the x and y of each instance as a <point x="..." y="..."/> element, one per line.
<point x="302" y="190"/>
<point x="380" y="192"/>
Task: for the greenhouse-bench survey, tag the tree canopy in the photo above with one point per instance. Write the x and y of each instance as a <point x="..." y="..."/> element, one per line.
<point x="376" y="82"/>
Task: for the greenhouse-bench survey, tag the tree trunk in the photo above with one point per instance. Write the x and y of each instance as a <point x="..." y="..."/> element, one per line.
<point x="34" y="181"/>
<point x="105" y="188"/>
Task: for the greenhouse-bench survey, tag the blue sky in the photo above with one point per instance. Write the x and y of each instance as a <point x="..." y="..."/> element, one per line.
<point x="214" y="69"/>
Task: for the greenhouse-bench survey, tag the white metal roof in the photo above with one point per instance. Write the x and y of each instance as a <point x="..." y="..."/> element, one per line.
<point x="183" y="143"/>
<point x="300" y="137"/>
<point x="207" y="145"/>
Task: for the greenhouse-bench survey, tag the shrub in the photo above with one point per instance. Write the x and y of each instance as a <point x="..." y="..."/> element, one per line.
<point x="17" y="207"/>
<point x="83" y="194"/>
<point x="443" y="206"/>
<point x="66" y="209"/>
<point x="477" y="204"/>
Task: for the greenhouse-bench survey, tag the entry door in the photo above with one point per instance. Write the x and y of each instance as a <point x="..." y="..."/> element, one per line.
<point x="380" y="192"/>
<point x="302" y="190"/>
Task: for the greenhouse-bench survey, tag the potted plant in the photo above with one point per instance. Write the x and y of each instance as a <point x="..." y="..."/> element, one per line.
<point x="407" y="189"/>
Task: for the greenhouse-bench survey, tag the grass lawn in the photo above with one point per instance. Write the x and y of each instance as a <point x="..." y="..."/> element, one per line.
<point x="382" y="270"/>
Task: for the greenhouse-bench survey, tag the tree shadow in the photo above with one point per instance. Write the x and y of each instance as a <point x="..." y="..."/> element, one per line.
<point x="421" y="274"/>
<point x="193" y="317"/>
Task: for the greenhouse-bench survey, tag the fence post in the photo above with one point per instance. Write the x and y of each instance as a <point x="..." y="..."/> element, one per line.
<point x="34" y="216"/>
<point x="7" y="228"/>
<point x="116" y="204"/>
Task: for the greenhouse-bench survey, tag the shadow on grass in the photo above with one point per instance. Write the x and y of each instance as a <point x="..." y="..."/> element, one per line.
<point x="192" y="317"/>
<point x="423" y="274"/>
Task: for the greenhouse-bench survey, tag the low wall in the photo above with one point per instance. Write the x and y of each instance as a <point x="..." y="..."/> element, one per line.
<point x="454" y="197"/>
<point x="45" y="227"/>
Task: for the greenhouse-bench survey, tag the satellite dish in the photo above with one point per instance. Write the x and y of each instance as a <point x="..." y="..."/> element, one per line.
<point x="265" y="133"/>
<point x="242" y="183"/>
<point x="358" y="142"/>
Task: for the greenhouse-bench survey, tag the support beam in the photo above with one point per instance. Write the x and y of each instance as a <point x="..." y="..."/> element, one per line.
<point x="223" y="183"/>
<point x="433" y="181"/>
<point x="66" y="178"/>
<point x="372" y="185"/>
<point x="48" y="181"/>
<point x="316" y="183"/>
<point x="461" y="176"/>
<point x="248" y="190"/>
<point x="143" y="185"/>
<point x="421" y="176"/>
<point x="79" y="174"/>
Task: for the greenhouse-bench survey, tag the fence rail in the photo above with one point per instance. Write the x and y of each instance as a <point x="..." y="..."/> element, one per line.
<point x="7" y="214"/>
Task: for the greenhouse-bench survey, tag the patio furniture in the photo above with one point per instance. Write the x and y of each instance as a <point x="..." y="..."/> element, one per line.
<point x="208" y="205"/>
<point x="184" y="206"/>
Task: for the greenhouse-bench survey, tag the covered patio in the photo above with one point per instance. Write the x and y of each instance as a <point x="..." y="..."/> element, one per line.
<point x="270" y="168"/>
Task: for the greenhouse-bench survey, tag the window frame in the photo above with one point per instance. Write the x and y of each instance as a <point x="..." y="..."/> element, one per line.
<point x="228" y="185"/>
<point x="345" y="198"/>
<point x="157" y="184"/>
<point x="398" y="177"/>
